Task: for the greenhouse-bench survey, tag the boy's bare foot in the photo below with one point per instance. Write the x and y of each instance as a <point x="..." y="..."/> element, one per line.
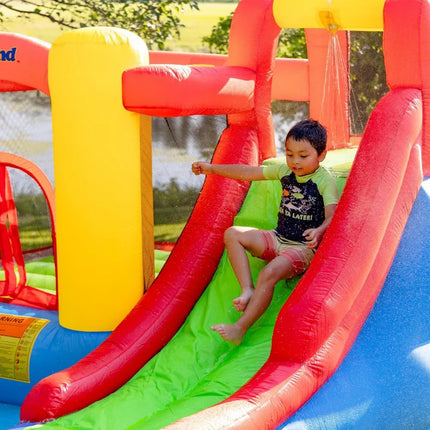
<point x="232" y="333"/>
<point x="240" y="303"/>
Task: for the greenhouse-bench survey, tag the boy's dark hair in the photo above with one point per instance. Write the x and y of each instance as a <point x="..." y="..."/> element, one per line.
<point x="312" y="131"/>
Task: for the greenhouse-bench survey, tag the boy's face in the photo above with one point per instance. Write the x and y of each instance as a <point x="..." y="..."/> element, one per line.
<point x="302" y="157"/>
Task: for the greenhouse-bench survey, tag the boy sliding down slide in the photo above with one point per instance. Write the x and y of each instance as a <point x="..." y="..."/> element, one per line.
<point x="309" y="199"/>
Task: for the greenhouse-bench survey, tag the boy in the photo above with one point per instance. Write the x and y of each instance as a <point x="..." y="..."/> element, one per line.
<point x="309" y="199"/>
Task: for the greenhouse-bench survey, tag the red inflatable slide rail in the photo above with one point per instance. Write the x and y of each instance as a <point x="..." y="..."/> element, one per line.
<point x="161" y="311"/>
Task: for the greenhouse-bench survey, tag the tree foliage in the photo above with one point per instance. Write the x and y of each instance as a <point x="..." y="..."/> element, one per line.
<point x="154" y="20"/>
<point x="217" y="41"/>
<point x="292" y="43"/>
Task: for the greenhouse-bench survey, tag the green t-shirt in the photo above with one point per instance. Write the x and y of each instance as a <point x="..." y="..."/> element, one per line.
<point x="303" y="199"/>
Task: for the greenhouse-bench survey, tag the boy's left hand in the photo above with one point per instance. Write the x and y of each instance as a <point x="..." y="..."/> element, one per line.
<point x="313" y="237"/>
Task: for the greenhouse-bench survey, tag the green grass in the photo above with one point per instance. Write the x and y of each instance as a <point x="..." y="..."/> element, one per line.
<point x="169" y="222"/>
<point x="168" y="232"/>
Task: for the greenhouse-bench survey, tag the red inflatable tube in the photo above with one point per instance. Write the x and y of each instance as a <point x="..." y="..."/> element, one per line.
<point x="187" y="58"/>
<point x="291" y="80"/>
<point x="290" y="75"/>
<point x="323" y="316"/>
<point x="7" y="86"/>
<point x="177" y="90"/>
<point x="407" y="55"/>
<point x="27" y="66"/>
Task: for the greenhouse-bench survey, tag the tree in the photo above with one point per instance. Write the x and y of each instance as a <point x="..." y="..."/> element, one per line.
<point x="154" y="20"/>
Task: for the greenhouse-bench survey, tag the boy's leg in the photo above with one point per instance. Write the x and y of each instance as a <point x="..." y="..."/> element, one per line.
<point x="237" y="241"/>
<point x="279" y="268"/>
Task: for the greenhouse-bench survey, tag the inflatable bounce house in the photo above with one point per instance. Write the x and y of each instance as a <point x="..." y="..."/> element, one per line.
<point x="345" y="346"/>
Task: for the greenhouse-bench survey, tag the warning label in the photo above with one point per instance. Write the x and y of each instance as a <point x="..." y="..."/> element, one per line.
<point x="17" y="336"/>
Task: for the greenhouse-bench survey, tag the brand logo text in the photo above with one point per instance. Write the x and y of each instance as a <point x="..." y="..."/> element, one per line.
<point x="7" y="55"/>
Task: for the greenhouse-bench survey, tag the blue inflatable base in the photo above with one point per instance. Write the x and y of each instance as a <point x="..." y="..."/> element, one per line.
<point x="9" y="416"/>
<point x="55" y="348"/>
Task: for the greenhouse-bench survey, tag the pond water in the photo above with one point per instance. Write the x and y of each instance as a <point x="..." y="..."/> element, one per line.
<point x="25" y="129"/>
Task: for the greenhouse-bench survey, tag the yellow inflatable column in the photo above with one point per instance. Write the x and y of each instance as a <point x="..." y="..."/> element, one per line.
<point x="98" y="168"/>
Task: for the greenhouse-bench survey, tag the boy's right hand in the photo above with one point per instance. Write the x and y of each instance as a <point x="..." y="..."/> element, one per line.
<point x="200" y="168"/>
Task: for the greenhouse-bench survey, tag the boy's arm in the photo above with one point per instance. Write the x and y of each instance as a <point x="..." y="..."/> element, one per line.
<point x="314" y="236"/>
<point x="242" y="172"/>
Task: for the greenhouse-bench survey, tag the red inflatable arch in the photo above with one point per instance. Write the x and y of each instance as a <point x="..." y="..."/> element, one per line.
<point x="12" y="290"/>
<point x="26" y="67"/>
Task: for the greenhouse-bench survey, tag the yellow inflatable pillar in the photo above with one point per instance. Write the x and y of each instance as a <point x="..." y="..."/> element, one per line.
<point x="99" y="169"/>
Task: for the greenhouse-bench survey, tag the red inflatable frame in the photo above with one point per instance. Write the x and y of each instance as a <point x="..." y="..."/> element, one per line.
<point x="23" y="294"/>
<point x="319" y="323"/>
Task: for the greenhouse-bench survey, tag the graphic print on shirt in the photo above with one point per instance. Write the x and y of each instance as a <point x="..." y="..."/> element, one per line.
<point x="301" y="208"/>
